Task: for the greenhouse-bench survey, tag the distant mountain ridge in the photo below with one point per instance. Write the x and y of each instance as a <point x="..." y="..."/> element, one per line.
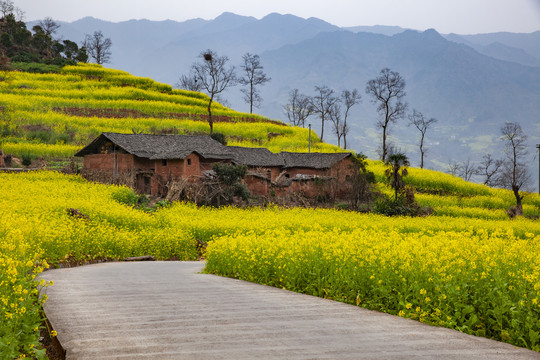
<point x="471" y="83"/>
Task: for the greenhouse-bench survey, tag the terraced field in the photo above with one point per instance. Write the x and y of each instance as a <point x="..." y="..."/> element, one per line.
<point x="53" y="115"/>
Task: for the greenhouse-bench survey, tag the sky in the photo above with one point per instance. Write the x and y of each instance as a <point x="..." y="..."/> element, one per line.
<point x="445" y="16"/>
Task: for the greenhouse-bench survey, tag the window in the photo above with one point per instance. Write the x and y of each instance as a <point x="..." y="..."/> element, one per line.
<point x="189" y="161"/>
<point x="164" y="162"/>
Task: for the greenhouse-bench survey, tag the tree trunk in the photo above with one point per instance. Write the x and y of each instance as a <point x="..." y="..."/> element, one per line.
<point x="519" y="206"/>
<point x="322" y="127"/>
<point x="422" y="152"/>
<point x="251" y="99"/>
<point x="210" y="122"/>
<point x="384" y="144"/>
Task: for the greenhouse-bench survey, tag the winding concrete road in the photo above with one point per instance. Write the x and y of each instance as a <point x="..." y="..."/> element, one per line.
<point x="168" y="310"/>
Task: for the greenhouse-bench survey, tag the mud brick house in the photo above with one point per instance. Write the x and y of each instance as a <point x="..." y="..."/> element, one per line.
<point x="148" y="162"/>
<point x="313" y="173"/>
<point x="264" y="167"/>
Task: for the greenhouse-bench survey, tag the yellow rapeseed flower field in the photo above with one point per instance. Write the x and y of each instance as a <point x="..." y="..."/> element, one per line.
<point x="477" y="275"/>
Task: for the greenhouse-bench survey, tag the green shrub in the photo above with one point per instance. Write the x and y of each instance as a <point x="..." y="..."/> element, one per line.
<point x="230" y="174"/>
<point x="34" y="67"/>
<point x="126" y="196"/>
<point x="27" y="159"/>
<point x="219" y="137"/>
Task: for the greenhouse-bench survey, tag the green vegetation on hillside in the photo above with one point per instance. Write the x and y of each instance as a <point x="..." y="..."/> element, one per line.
<point x="55" y="114"/>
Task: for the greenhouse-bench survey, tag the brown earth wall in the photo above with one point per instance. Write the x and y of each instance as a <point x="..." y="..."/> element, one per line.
<point x="124" y="162"/>
<point x="257" y="185"/>
<point x="206" y="164"/>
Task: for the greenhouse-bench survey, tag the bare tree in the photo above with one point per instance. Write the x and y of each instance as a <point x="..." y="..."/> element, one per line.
<point x="189" y="82"/>
<point x="387" y="90"/>
<point x="339" y="125"/>
<point x="467" y="170"/>
<point x="98" y="47"/>
<point x="214" y="76"/>
<point x="453" y="168"/>
<point x="349" y="99"/>
<point x="19" y="14"/>
<point x="514" y="175"/>
<point x="322" y="102"/>
<point x="298" y="109"/>
<point x="49" y="26"/>
<point x="422" y="124"/>
<point x="489" y="169"/>
<point x="6" y="7"/>
<point x="253" y="76"/>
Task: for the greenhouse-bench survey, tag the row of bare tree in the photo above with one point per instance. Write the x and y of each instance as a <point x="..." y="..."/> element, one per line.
<point x="327" y="106"/>
<point x="386" y="91"/>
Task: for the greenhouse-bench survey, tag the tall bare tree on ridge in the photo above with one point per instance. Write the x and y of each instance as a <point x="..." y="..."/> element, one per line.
<point x="253" y="76"/>
<point x="387" y="90"/>
<point x="214" y="76"/>
<point x="98" y="47"/>
<point x="515" y="174"/>
<point x="298" y="109"/>
<point x="322" y="103"/>
<point x="422" y="124"/>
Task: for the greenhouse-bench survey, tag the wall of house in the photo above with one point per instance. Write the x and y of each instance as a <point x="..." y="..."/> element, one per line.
<point x="192" y="166"/>
<point x="124" y="162"/>
<point x="343" y="171"/>
<point x="274" y="172"/>
<point x="174" y="169"/>
<point x="206" y="164"/>
<point x="257" y="185"/>
<point x="144" y="164"/>
<point x="339" y="187"/>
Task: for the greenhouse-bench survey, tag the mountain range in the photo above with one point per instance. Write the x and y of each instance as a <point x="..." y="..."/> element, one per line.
<point x="472" y="84"/>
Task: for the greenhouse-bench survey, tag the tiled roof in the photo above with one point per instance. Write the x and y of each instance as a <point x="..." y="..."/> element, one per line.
<point x="256" y="157"/>
<point x="156" y="147"/>
<point x="312" y="160"/>
<point x="161" y="146"/>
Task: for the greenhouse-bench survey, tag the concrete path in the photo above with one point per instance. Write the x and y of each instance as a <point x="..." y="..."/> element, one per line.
<point x="167" y="310"/>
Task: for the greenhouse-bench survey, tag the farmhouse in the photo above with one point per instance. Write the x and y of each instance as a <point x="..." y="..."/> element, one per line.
<point x="148" y="163"/>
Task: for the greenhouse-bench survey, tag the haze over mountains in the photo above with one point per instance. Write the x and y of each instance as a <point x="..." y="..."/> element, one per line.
<point x="471" y="83"/>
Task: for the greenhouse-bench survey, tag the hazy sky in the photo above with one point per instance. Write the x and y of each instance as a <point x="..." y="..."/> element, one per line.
<point x="446" y="16"/>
